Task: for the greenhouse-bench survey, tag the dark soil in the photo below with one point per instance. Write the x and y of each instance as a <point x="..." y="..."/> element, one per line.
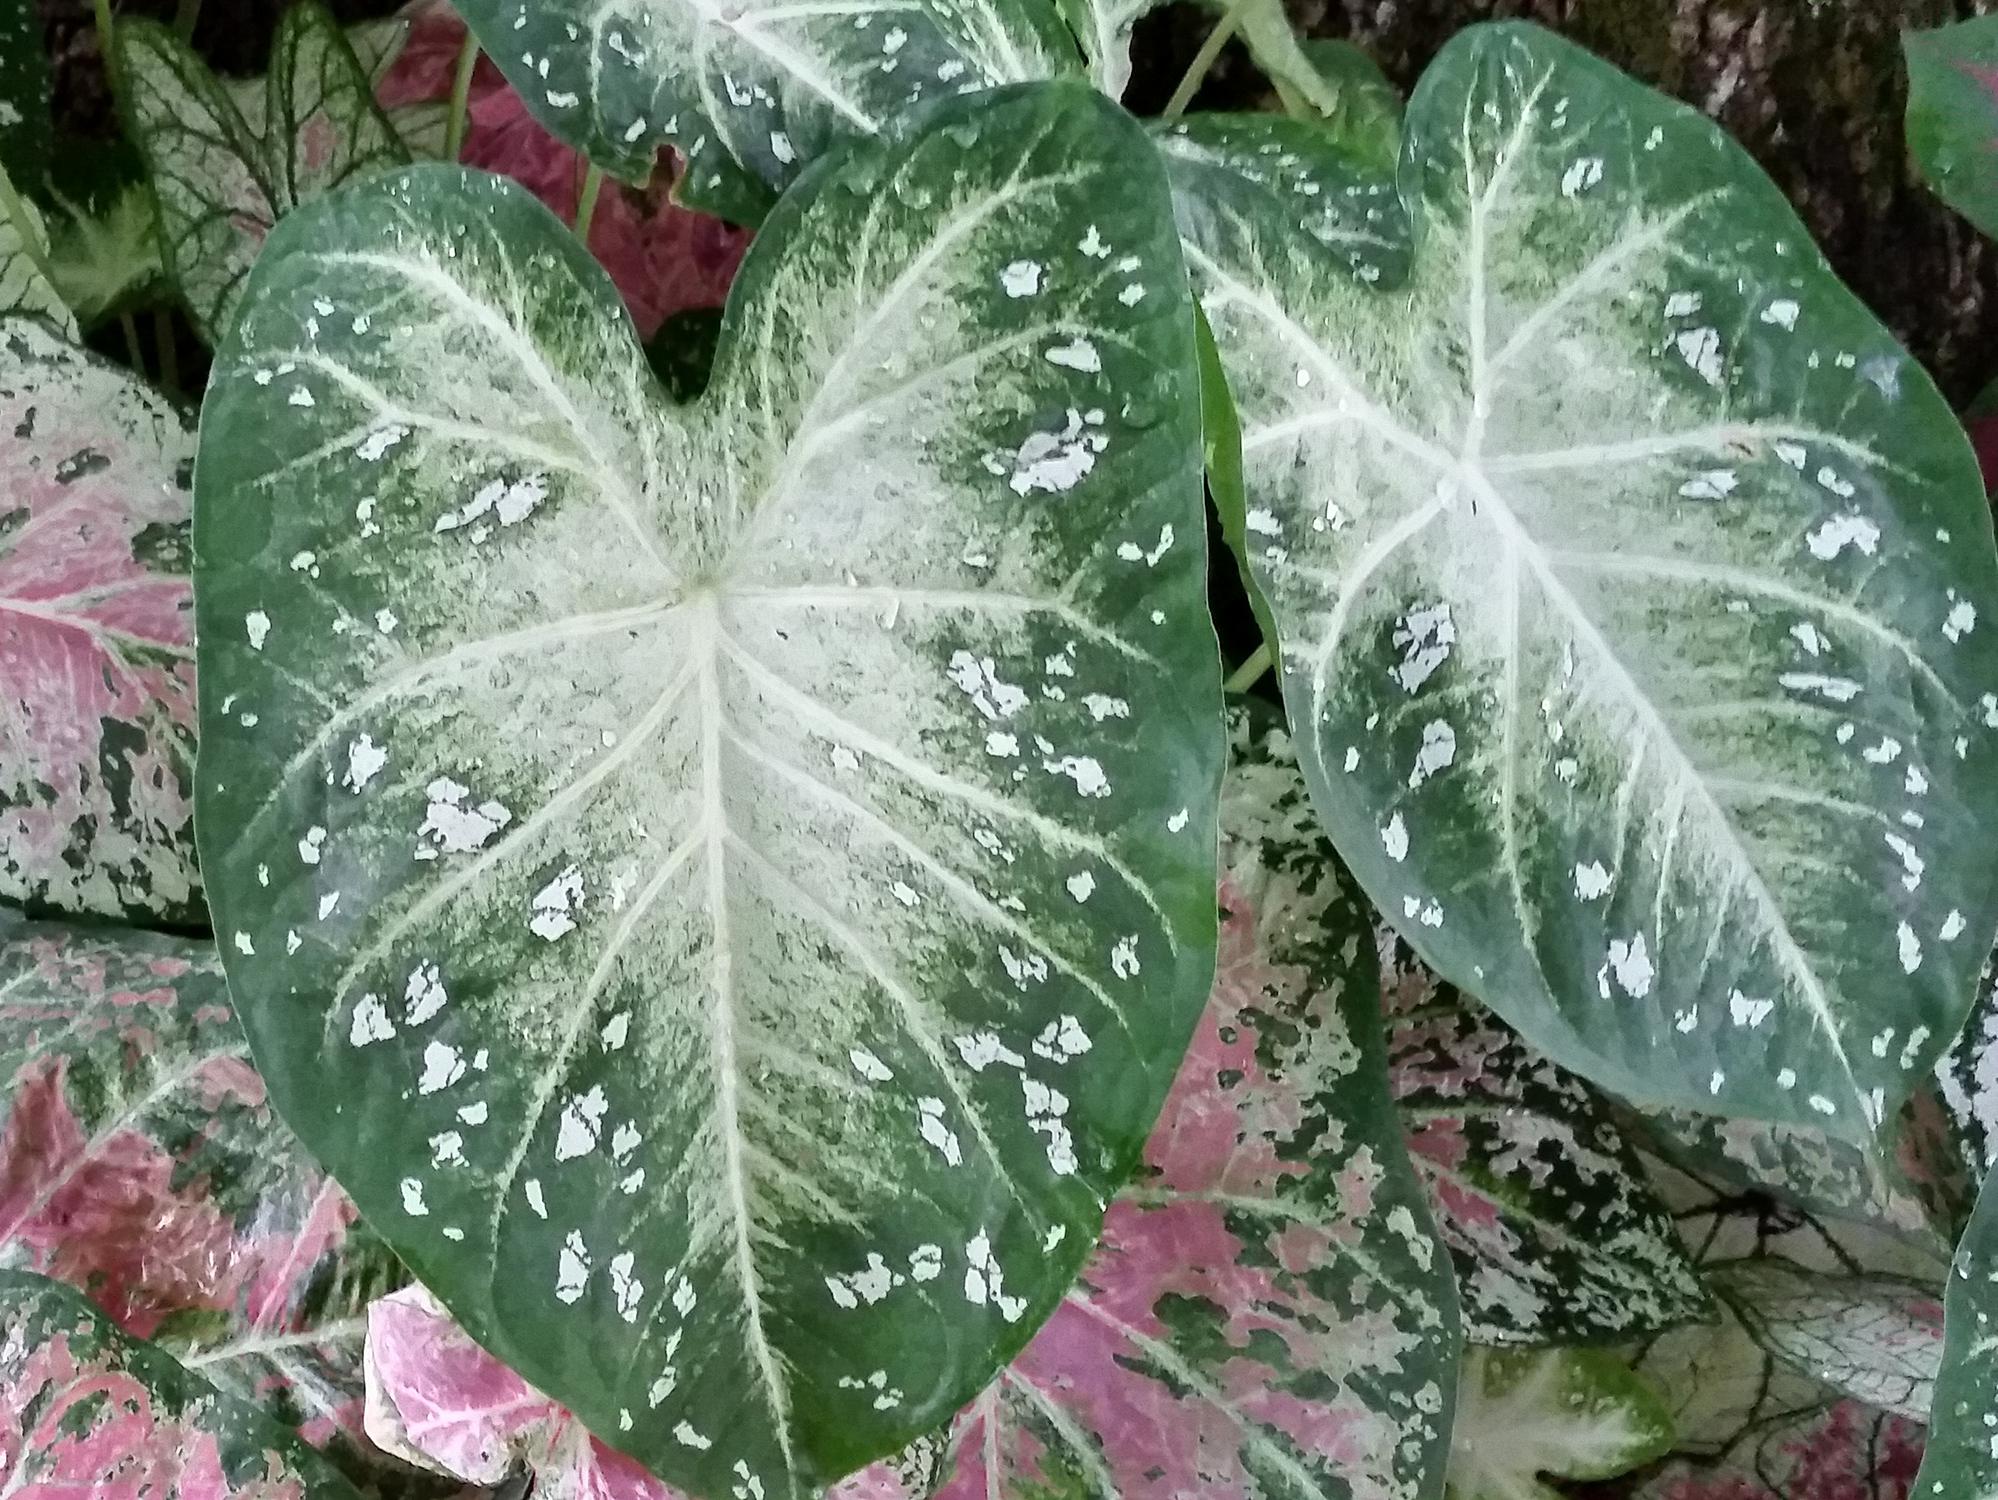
<point x="1814" y="88"/>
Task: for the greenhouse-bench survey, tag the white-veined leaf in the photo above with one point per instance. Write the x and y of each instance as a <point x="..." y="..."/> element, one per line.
<point x="778" y="82"/>
<point x="228" y="159"/>
<point x="1631" y="582"/>
<point x="96" y="648"/>
<point x="754" y="860"/>
<point x="25" y="288"/>
<point x="1528" y="1414"/>
<point x="1268" y="1315"/>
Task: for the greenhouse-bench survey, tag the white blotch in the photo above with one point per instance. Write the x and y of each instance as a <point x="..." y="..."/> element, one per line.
<point x="412" y="1198"/>
<point x="1835" y="534"/>
<point x="1700" y="348"/>
<point x="554" y="904"/>
<point x="626" y="1289"/>
<point x="926" y="1263"/>
<point x="868" y="1066"/>
<point x="447" y="1149"/>
<point x="1061" y="1040"/>
<point x="1083" y="770"/>
<point x="257" y="625"/>
<point x="1055" y="462"/>
<point x="1045" y="1108"/>
<point x="981" y="1049"/>
<point x="1713" y="484"/>
<point x="572" y="1268"/>
<point x="1080" y="885"/>
<point x="1683" y="304"/>
<point x="535" y="1200"/>
<point x="1912" y="863"/>
<point x="1961" y="620"/>
<point x="379" y="440"/>
<point x="1910" y="948"/>
<point x="581" y="1125"/>
<point x="1394" y="839"/>
<point x="364" y="761"/>
<point x="1022" y="278"/>
<point x="509" y="503"/>
<point x="454" y="828"/>
<point x="979" y="680"/>
<point x="1881" y="754"/>
<point x="1592" y="881"/>
<point x="1746" y="1011"/>
<point x="443" y="1065"/>
<point x="1809" y="637"/>
<point x="1002" y="745"/>
<point x="328" y="903"/>
<point x="474" y="1113"/>
<point x="1582" y="174"/>
<point x="1838" y="689"/>
<point x="1782" y="313"/>
<point x="423" y="995"/>
<point x="1631" y="964"/>
<point x="616" y="1029"/>
<point x="1952" y="927"/>
<point x="1124" y="956"/>
<point x="1439" y="749"/>
<point x="1100" y="706"/>
<point x="1077" y="354"/>
<point x="1424" y="636"/>
<point x="371" y="1022"/>
<point x="244" y="945"/>
<point x="930" y="1123"/>
<point x="985" y="1282"/>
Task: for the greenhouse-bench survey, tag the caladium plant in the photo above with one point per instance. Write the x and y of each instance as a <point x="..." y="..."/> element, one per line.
<point x="724" y="853"/>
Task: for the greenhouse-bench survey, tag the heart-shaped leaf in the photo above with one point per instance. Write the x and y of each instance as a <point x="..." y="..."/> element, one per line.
<point x="1962" y="1460"/>
<point x="439" y="1400"/>
<point x="1528" y="1414"/>
<point x="778" y="84"/>
<point x="1268" y="1314"/>
<point x="84" y="1410"/>
<point x="754" y="860"/>
<point x="1952" y="116"/>
<point x="1555" y="1232"/>
<point x="1635" y="591"/>
<point x="228" y="160"/>
<point x="96" y="649"/>
<point x="140" y="1162"/>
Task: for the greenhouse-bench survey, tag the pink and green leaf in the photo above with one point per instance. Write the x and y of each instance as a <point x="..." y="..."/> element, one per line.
<point x="140" y="1162"/>
<point x="86" y="1410"/>
<point x="1554" y="1230"/>
<point x="96" y="638"/>
<point x="1268" y="1314"/>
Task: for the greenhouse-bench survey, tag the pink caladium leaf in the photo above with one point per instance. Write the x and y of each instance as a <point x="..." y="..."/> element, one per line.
<point x="96" y="638"/>
<point x="664" y="258"/>
<point x="1269" y="1313"/>
<point x="1555" y="1232"/>
<point x="437" y="1400"/>
<point x="140" y="1162"/>
<point x="87" y="1411"/>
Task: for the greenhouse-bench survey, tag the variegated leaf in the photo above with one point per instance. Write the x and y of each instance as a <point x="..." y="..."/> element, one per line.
<point x="85" y="1410"/>
<point x="96" y="649"/>
<point x="777" y="83"/>
<point x="438" y="1400"/>
<point x="1967" y="1079"/>
<point x="1630" y="579"/>
<point x="228" y="160"/>
<point x="25" y="288"/>
<point x="1952" y="117"/>
<point x="798" y="806"/>
<point x="140" y="1162"/>
<point x="1544" y="1205"/>
<point x="1103" y="27"/>
<point x="1524" y="1415"/>
<point x="1847" y="1306"/>
<point x="26" y="131"/>
<point x="1267" y="1315"/>
<point x="1962" y="1458"/>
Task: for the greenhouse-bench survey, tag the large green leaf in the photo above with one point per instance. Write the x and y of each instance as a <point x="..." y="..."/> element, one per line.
<point x="1544" y="1204"/>
<point x="85" y="1410"/>
<point x="1962" y="1457"/>
<point x="228" y="160"/>
<point x="777" y="83"/>
<point x="1952" y="115"/>
<point x="1268" y="1315"/>
<point x="1528" y="1414"/>
<point x="96" y="637"/>
<point x="141" y="1163"/>
<point x="1635" y="589"/>
<point x="798" y="805"/>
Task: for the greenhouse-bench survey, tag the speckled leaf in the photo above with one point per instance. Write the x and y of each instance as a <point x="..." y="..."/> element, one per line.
<point x="1104" y="27"/>
<point x="777" y="83"/>
<point x="228" y="160"/>
<point x="1544" y="1205"/>
<point x="1630" y="578"/>
<point x="1267" y="1315"/>
<point x="1953" y="114"/>
<point x="96" y="655"/>
<point x="1962" y="1458"/>
<point x="1528" y="1414"/>
<point x="1847" y="1305"/>
<point x="754" y="859"/>
<point x="140" y="1162"/>
<point x="86" y="1410"/>
<point x="440" y="1401"/>
<point x="25" y="288"/>
<point x="26" y="131"/>
<point x="1967" y="1078"/>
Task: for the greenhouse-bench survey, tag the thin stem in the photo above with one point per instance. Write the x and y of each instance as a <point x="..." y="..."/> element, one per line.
<point x="15" y="210"/>
<point x="184" y="17"/>
<point x="106" y="32"/>
<point x="1293" y="103"/>
<point x="169" y="355"/>
<point x="1250" y="672"/>
<point x="134" y="354"/>
<point x="461" y="97"/>
<point x="586" y="205"/>
<point x="1196" y="71"/>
